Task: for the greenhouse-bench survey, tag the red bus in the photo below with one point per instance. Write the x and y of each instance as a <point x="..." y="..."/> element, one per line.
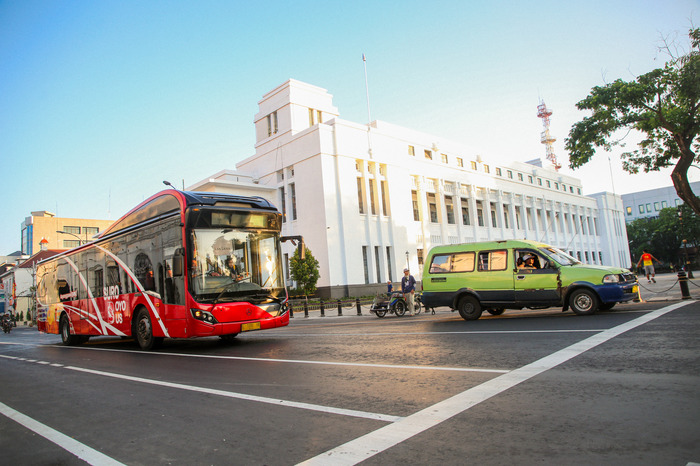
<point x="179" y="265"/>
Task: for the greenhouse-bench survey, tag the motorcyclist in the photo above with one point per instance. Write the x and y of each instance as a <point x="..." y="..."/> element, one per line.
<point x="6" y="323"/>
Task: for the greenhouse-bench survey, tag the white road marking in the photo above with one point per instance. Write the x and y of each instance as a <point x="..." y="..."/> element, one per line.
<point x="74" y="447"/>
<point x="303" y="361"/>
<point x="240" y="396"/>
<point x="243" y="396"/>
<point x="366" y="446"/>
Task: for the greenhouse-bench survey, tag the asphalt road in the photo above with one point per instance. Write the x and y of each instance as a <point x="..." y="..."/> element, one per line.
<point x="527" y="387"/>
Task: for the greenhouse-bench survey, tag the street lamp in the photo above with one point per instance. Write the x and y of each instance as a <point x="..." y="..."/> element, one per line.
<point x="80" y="241"/>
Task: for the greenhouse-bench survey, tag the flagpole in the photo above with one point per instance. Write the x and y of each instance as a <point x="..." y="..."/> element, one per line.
<point x="369" y="114"/>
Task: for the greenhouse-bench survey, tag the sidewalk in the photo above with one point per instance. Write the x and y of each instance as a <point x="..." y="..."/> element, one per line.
<point x="667" y="287"/>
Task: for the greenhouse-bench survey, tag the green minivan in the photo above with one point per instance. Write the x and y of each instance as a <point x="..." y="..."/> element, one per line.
<point x="515" y="274"/>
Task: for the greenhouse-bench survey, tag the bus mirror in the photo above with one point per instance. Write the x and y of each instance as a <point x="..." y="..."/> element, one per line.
<point x="178" y="262"/>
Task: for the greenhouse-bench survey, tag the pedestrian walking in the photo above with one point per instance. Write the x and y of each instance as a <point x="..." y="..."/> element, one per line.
<point x="408" y="288"/>
<point x="648" y="260"/>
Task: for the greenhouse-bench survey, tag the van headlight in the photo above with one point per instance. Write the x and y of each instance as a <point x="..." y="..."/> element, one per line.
<point x="611" y="279"/>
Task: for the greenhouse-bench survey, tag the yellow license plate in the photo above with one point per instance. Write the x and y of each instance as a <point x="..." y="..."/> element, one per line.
<point x="635" y="289"/>
<point x="250" y="326"/>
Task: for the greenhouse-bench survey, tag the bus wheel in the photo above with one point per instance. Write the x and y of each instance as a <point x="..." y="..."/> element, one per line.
<point x="144" y="331"/>
<point x="495" y="311"/>
<point x="66" y="337"/>
<point x="583" y="302"/>
<point x="469" y="308"/>
<point x="231" y="337"/>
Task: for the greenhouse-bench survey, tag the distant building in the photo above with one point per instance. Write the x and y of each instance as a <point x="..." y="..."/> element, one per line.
<point x="60" y="233"/>
<point x="648" y="203"/>
<point x="370" y="200"/>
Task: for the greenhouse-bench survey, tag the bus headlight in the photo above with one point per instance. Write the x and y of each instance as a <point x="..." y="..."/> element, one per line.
<point x="611" y="279"/>
<point x="204" y="316"/>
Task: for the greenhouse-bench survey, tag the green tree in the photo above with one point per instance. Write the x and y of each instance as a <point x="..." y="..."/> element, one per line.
<point x="304" y="271"/>
<point x="663" y="236"/>
<point x="662" y="105"/>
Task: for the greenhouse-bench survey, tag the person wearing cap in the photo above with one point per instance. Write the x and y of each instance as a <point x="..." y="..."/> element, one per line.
<point x="408" y="288"/>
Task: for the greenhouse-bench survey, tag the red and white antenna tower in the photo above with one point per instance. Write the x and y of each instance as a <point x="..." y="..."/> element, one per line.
<point x="547" y="139"/>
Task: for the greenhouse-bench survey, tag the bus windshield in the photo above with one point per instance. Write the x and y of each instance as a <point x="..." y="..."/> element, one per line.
<point x="235" y="265"/>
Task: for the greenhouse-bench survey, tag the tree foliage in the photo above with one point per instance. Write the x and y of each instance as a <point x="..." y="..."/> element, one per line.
<point x="304" y="272"/>
<point x="663" y="236"/>
<point x="662" y="105"/>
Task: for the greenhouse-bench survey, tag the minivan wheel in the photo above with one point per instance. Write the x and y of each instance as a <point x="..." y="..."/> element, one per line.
<point x="469" y="308"/>
<point x="583" y="302"/>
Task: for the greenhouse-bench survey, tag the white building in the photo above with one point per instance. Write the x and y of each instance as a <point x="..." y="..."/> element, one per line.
<point x="648" y="203"/>
<point x="371" y="199"/>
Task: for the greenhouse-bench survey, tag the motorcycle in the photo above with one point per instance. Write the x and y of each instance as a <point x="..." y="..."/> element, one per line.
<point x="6" y="325"/>
<point x="395" y="304"/>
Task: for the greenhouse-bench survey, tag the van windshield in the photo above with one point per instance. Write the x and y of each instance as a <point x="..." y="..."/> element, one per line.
<point x="559" y="256"/>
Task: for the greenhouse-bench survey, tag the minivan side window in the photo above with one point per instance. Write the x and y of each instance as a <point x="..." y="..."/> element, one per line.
<point x="493" y="260"/>
<point x="451" y="263"/>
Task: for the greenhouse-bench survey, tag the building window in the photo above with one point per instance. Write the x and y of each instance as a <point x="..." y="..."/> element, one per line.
<point x="517" y="217"/>
<point x="432" y="208"/>
<point x="465" y="212"/>
<point x="556" y="186"/>
<point x="377" y="263"/>
<point x="272" y="123"/>
<point x="494" y="221"/>
<point x="539" y="181"/>
<point x="365" y="264"/>
<point x="416" y="210"/>
<point x="498" y="172"/>
<point x="510" y="174"/>
<point x="361" y="195"/>
<point x="473" y="165"/>
<point x="319" y="116"/>
<point x="90" y="231"/>
<point x="479" y="214"/>
<point x="648" y="207"/>
<point x="385" y="209"/>
<point x="283" y="204"/>
<point x="311" y="117"/>
<point x="443" y="157"/>
<point x="529" y="179"/>
<point x="460" y="162"/>
<point x="506" y="222"/>
<point x="389" y="264"/>
<point x="641" y="209"/>
<point x="419" y="256"/>
<point x="549" y="185"/>
<point x="72" y="230"/>
<point x="411" y="151"/>
<point x="428" y="154"/>
<point x="293" y="195"/>
<point x="487" y="169"/>
<point x="657" y="207"/>
<point x="520" y="177"/>
<point x="449" y="207"/>
<point x="664" y="204"/>
<point x="372" y="203"/>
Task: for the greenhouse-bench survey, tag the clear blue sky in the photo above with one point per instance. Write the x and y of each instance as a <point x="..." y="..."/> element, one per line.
<point x="101" y="101"/>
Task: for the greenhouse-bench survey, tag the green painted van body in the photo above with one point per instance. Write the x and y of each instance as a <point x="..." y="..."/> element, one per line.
<point x="472" y="277"/>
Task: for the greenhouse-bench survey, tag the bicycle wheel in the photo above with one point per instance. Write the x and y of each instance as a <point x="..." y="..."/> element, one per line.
<point x="417" y="307"/>
<point x="400" y="308"/>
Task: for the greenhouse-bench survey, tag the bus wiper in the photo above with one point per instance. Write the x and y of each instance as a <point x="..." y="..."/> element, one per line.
<point x="226" y="288"/>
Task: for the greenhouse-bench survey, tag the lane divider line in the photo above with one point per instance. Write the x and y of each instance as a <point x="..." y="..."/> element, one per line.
<point x="82" y="451"/>
<point x="368" y="445"/>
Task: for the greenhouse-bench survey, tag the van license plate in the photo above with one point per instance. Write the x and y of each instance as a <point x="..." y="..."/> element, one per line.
<point x="250" y="326"/>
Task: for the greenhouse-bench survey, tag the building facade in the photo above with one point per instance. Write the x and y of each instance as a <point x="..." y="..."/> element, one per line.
<point x="648" y="203"/>
<point x="60" y="233"/>
<point x="372" y="199"/>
